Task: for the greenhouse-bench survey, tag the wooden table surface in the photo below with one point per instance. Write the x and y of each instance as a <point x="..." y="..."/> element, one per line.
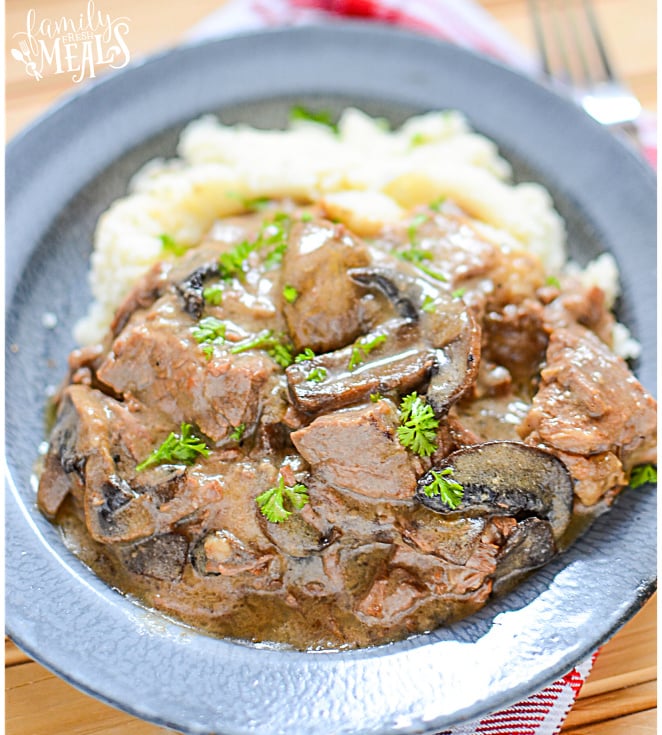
<point x="619" y="697"/>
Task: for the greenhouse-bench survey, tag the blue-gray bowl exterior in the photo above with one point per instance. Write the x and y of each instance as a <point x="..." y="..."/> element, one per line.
<point x="67" y="168"/>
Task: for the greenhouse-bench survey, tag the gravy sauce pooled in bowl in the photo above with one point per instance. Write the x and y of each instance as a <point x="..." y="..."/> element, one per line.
<point x="339" y="386"/>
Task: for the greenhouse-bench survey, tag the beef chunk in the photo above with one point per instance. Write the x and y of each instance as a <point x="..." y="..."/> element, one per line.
<point x="157" y="361"/>
<point x="589" y="404"/>
<point x="357" y="449"/>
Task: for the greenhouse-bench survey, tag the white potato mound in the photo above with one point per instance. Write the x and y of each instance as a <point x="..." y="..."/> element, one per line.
<point x="365" y="176"/>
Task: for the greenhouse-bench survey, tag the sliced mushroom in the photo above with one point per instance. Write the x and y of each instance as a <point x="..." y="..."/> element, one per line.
<point x="114" y="512"/>
<point x="62" y="460"/>
<point x="400" y="363"/>
<point x="438" y="345"/>
<point x="504" y="478"/>
<point x="445" y="325"/>
<point x="530" y="546"/>
<point x="302" y="534"/>
<point x="192" y="287"/>
<point x="160" y="557"/>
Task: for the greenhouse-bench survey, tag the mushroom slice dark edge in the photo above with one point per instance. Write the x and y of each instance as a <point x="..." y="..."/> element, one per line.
<point x="506" y="478"/>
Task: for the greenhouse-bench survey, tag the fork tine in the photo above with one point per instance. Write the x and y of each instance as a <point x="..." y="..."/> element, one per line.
<point x="540" y="37"/>
<point x="584" y="74"/>
<point x="597" y="39"/>
<point x="557" y="14"/>
<point x="574" y="58"/>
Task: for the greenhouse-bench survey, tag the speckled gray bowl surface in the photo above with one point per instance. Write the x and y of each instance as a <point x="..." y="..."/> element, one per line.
<point x="67" y="168"/>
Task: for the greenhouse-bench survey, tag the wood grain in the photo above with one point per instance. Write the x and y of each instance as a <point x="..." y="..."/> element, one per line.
<point x="619" y="697"/>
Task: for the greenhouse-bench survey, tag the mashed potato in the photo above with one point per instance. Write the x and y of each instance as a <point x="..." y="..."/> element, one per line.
<point x="364" y="175"/>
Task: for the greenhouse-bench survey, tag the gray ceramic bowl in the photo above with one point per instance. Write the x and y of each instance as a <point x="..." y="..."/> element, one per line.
<point x="67" y="168"/>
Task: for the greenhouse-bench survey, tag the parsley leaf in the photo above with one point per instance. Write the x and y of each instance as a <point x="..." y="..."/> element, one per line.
<point x="281" y="354"/>
<point x="417" y="256"/>
<point x="170" y="245"/>
<point x="553" y="281"/>
<point x="231" y="264"/>
<point x="417" y="430"/>
<point x="450" y="491"/>
<point x="307" y="354"/>
<point x="416" y="221"/>
<point x="435" y="205"/>
<point x="643" y="474"/>
<point x="256" y="204"/>
<point x="238" y="432"/>
<point x="428" y="304"/>
<point x="374" y="397"/>
<point x="252" y="204"/>
<point x="418" y="139"/>
<point x="363" y="348"/>
<point x="213" y="294"/>
<point x="459" y="293"/>
<point x="177" y="449"/>
<point x="290" y="294"/>
<point x="209" y="329"/>
<point x="272" y="502"/>
<point x="275" y="257"/>
<point x="317" y="375"/>
<point x="266" y="340"/>
<point x="321" y="117"/>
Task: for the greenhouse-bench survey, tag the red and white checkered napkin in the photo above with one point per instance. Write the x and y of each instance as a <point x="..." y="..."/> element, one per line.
<point x="462" y="22"/>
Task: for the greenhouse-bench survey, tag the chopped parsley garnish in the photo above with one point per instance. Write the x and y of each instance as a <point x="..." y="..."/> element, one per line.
<point x="282" y="354"/>
<point x="257" y="204"/>
<point x="209" y="329"/>
<point x="321" y="117"/>
<point x="266" y="340"/>
<point x="307" y="354"/>
<point x="417" y="256"/>
<point x="417" y="430"/>
<point x="435" y="205"/>
<point x="252" y="204"/>
<point x="418" y="139"/>
<point x="273" y="234"/>
<point x="208" y="350"/>
<point x="428" y="304"/>
<point x="317" y="375"/>
<point x="231" y="264"/>
<point x="290" y="294"/>
<point x="272" y="502"/>
<point x="374" y="397"/>
<point x="553" y="281"/>
<point x="238" y="432"/>
<point x="182" y="448"/>
<point x="643" y="474"/>
<point x="450" y="491"/>
<point x="209" y="332"/>
<point x="170" y="245"/>
<point x="275" y="257"/>
<point x="307" y="217"/>
<point x="363" y="348"/>
<point x="459" y="293"/>
<point x="213" y="294"/>
<point x="414" y="225"/>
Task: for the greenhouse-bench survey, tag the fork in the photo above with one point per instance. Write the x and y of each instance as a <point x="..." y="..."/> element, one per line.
<point x="575" y="61"/>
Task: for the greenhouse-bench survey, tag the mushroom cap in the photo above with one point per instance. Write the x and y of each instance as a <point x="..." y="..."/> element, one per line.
<point x="506" y="478"/>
